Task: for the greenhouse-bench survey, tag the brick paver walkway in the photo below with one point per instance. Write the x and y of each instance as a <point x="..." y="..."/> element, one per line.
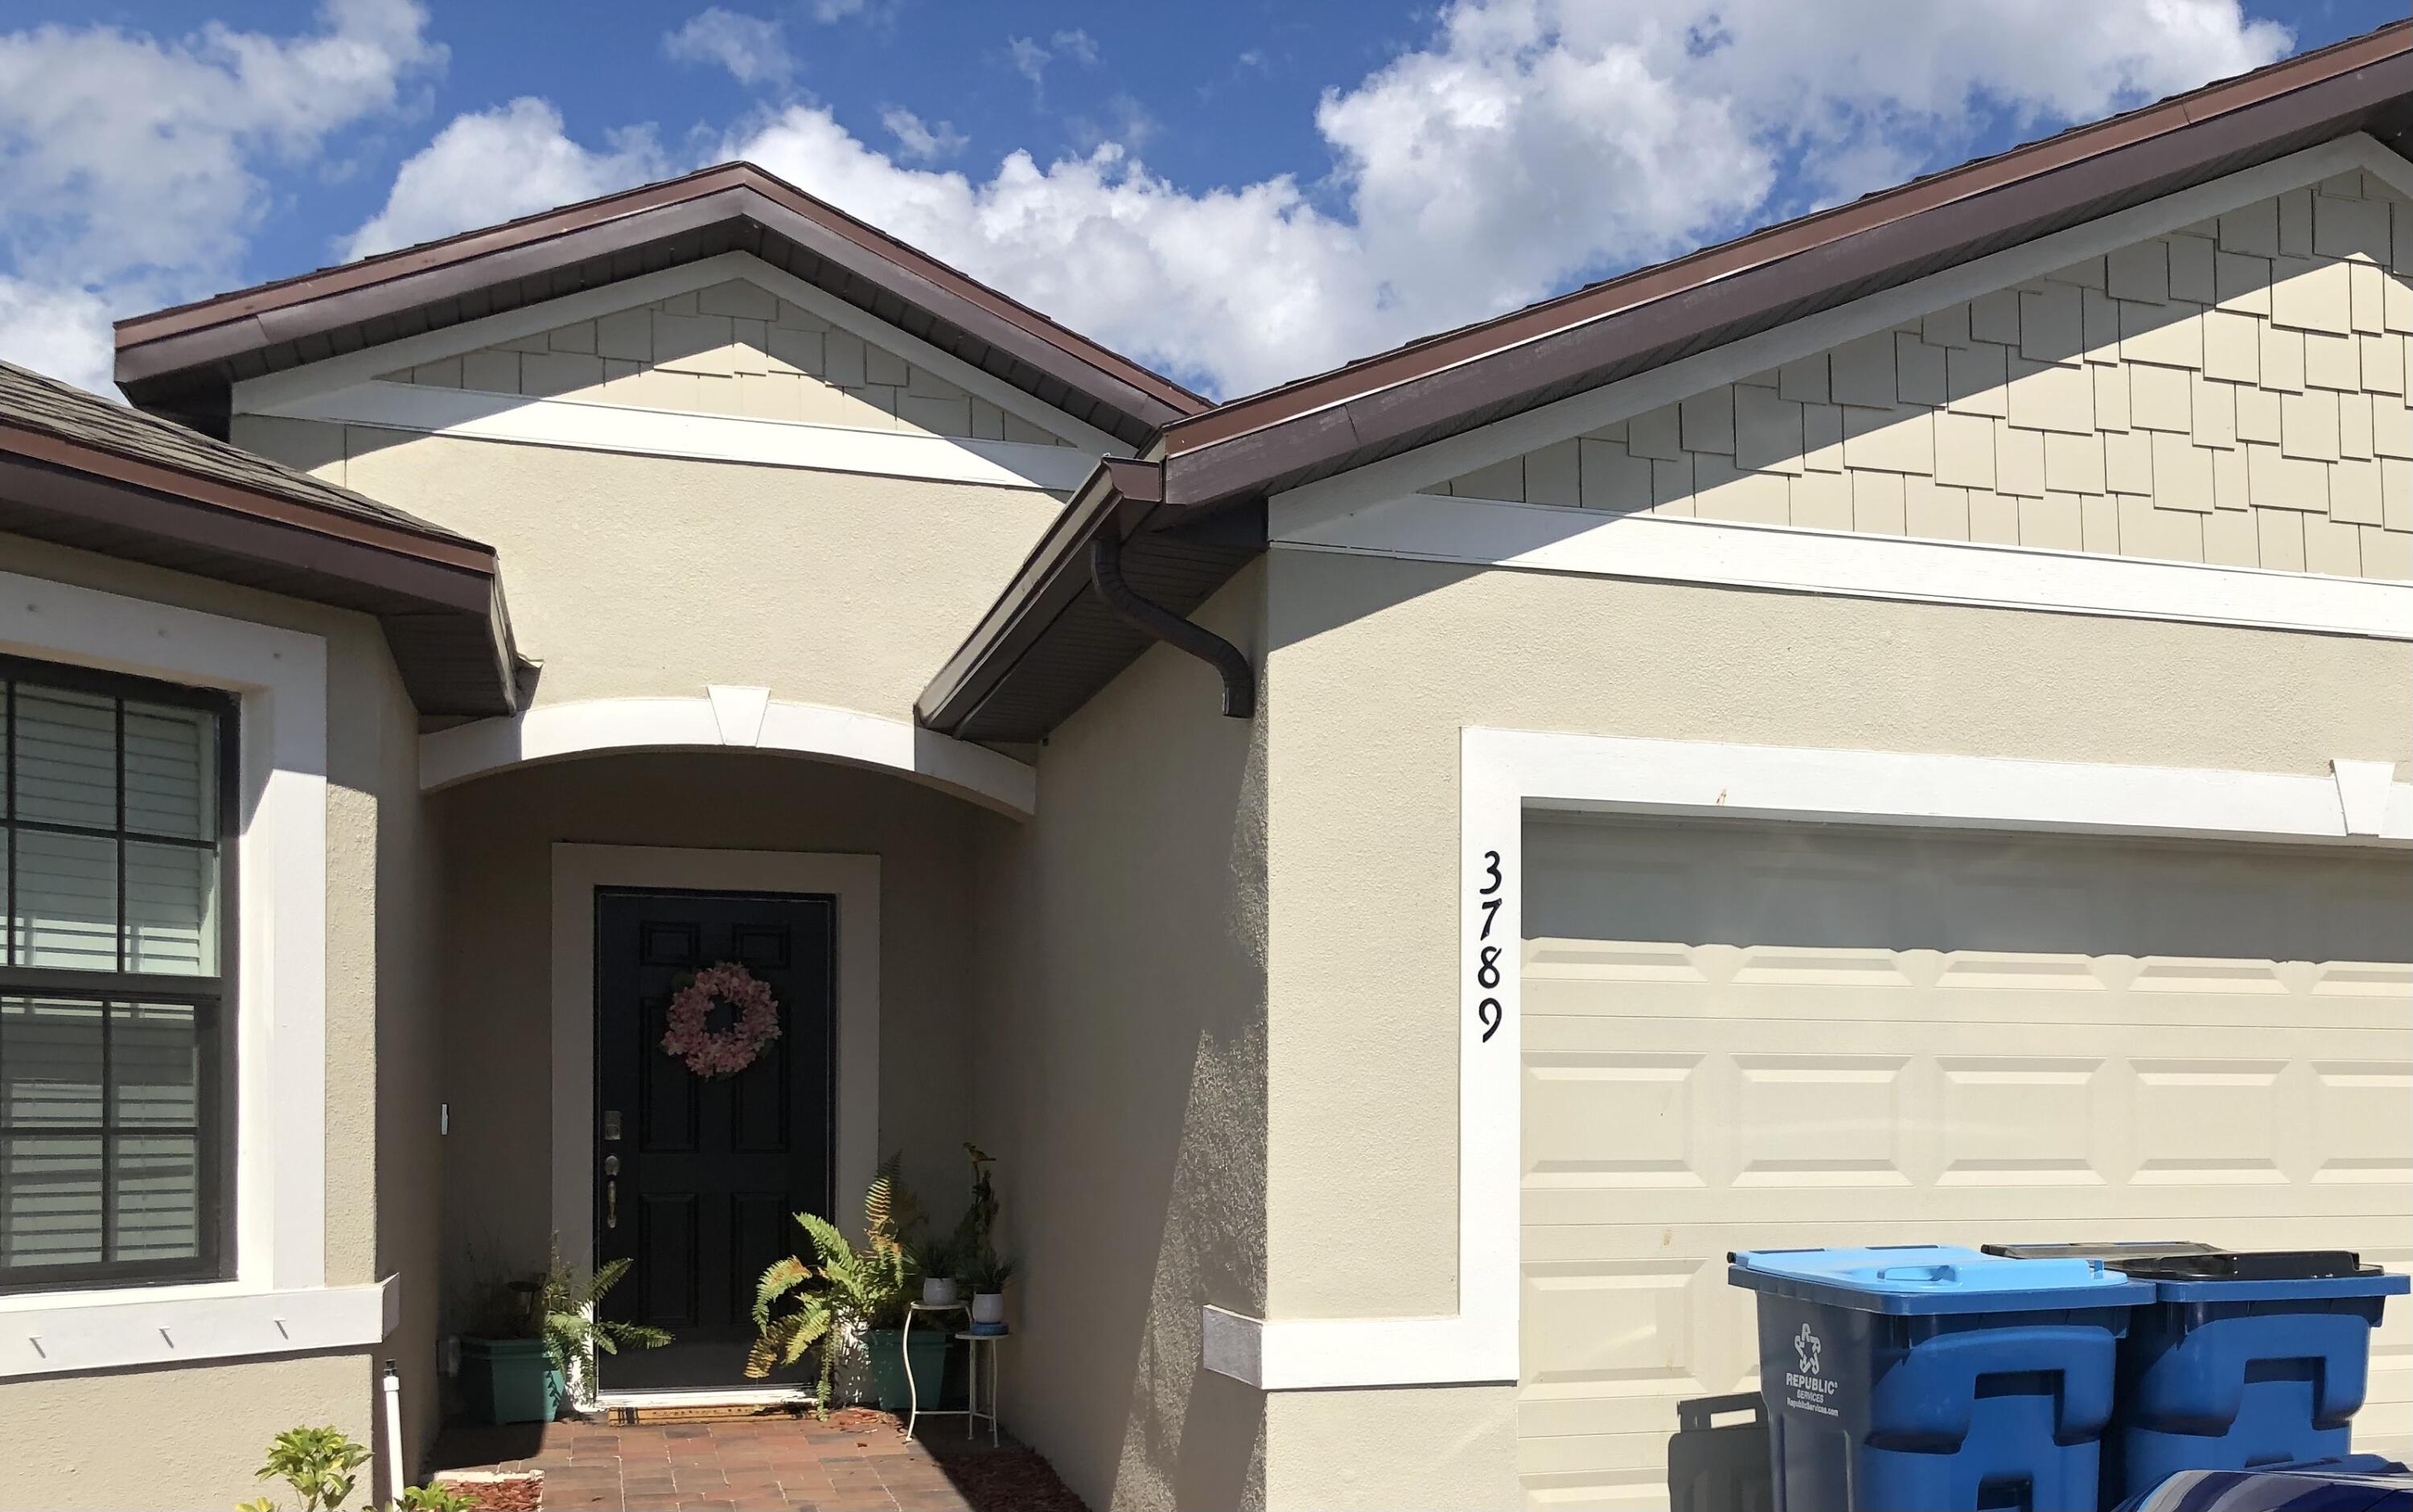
<point x="857" y="1459"/>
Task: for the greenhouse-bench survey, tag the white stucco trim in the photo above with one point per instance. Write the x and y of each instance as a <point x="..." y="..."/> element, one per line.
<point x="1547" y="537"/>
<point x="581" y="425"/>
<point x="187" y="1325"/>
<point x="280" y="986"/>
<point x="1506" y="774"/>
<point x="733" y="718"/>
<point x="1591" y="409"/>
<point x="270" y="394"/>
<point x="578" y="870"/>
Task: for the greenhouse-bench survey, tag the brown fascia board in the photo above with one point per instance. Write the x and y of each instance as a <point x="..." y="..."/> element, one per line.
<point x="1120" y="493"/>
<point x="353" y="564"/>
<point x="451" y="558"/>
<point x="189" y="336"/>
<point x="1237" y="448"/>
<point x="251" y="537"/>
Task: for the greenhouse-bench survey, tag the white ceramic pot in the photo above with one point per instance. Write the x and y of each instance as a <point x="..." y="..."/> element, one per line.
<point x="938" y="1291"/>
<point x="988" y="1307"/>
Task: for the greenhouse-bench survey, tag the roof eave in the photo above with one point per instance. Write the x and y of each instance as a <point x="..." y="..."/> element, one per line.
<point x="439" y="602"/>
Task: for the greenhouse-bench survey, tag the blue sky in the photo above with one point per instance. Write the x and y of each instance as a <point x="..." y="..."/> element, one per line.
<point x="1237" y="193"/>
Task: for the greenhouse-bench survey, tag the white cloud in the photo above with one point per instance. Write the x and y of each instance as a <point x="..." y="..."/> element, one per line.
<point x="131" y="167"/>
<point x="827" y="11"/>
<point x="920" y="139"/>
<point x="1028" y="59"/>
<point x="1077" y="45"/>
<point x="752" y="49"/>
<point x="497" y="165"/>
<point x="1530" y="145"/>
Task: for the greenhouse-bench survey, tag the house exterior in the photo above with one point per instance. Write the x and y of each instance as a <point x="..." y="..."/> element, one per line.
<point x="1893" y="728"/>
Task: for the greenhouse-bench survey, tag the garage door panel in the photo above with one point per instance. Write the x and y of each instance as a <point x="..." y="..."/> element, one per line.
<point x="1565" y="980"/>
<point x="1854" y="1038"/>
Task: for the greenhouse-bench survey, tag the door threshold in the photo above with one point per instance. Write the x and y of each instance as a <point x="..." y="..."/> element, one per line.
<point x="698" y="1404"/>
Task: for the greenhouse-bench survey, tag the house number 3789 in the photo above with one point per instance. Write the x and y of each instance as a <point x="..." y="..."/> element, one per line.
<point x="1488" y="900"/>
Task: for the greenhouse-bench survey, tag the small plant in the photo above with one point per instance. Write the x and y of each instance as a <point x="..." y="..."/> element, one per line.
<point x="317" y="1462"/>
<point x="563" y="1314"/>
<point x="977" y="1265"/>
<point x="987" y="1275"/>
<point x="842" y="1291"/>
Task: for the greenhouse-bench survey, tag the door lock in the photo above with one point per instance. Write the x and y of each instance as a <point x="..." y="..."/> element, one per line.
<point x="612" y="1123"/>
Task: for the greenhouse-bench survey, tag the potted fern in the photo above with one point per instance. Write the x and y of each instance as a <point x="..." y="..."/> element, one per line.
<point x="844" y="1298"/>
<point x="536" y="1354"/>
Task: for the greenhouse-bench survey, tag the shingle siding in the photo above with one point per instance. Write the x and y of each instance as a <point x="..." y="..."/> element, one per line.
<point x="2232" y="392"/>
<point x="735" y="348"/>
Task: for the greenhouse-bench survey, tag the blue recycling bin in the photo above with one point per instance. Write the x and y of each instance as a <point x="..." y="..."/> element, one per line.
<point x="1931" y="1378"/>
<point x="2244" y="1359"/>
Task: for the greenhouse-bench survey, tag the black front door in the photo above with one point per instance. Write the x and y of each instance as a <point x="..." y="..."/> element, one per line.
<point x="695" y="1178"/>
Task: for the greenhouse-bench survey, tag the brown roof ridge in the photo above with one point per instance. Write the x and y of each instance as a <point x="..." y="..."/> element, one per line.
<point x="1795" y="237"/>
<point x="538" y="227"/>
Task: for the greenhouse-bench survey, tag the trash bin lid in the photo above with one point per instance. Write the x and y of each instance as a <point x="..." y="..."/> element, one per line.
<point x="2108" y="1253"/>
<point x="2191" y="1271"/>
<point x="1922" y="1279"/>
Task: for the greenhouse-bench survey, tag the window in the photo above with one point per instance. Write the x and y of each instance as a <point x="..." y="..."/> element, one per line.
<point x="115" y="819"/>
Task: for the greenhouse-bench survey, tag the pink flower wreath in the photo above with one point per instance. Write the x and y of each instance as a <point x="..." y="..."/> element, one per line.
<point x="729" y="1051"/>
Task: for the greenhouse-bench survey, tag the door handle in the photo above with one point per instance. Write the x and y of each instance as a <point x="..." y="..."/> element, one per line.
<point x="610" y="1192"/>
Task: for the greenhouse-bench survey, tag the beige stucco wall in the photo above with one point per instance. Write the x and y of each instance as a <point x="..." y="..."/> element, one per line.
<point x="1376" y="665"/>
<point x="190" y="1437"/>
<point x="381" y="1049"/>
<point x="498" y="833"/>
<point x="2234" y="392"/>
<point x="1121" y="1079"/>
<point x="735" y="348"/>
<point x="633" y="575"/>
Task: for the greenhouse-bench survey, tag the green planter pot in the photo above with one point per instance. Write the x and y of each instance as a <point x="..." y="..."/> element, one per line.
<point x="887" y="1348"/>
<point x="510" y="1380"/>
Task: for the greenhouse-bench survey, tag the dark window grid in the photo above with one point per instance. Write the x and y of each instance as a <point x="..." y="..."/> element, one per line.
<point x="213" y="1153"/>
<point x="113" y="1128"/>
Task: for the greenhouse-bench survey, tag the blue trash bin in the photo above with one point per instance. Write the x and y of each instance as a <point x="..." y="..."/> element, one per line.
<point x="2245" y="1359"/>
<point x="1926" y="1378"/>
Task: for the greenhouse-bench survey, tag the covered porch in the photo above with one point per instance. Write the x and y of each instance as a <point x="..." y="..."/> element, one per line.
<point x="582" y="894"/>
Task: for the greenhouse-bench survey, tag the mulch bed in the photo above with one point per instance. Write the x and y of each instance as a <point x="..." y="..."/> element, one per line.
<point x="508" y="1491"/>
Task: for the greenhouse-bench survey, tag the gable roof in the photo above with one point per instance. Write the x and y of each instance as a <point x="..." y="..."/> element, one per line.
<point x="184" y="361"/>
<point x="81" y="471"/>
<point x="1227" y="460"/>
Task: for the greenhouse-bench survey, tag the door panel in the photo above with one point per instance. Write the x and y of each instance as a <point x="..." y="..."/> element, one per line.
<point x="1742" y="1036"/>
<point x="709" y="1170"/>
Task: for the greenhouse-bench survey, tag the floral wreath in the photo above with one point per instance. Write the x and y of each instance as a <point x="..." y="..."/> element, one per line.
<point x="728" y="1051"/>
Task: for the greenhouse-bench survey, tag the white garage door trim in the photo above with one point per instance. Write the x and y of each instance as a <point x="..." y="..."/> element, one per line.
<point x="1505" y="773"/>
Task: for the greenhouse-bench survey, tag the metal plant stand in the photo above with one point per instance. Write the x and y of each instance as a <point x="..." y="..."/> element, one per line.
<point x="915" y="1411"/>
<point x="973" y="1396"/>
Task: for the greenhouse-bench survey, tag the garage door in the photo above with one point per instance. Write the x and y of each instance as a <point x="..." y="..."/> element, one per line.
<point x="1755" y="1036"/>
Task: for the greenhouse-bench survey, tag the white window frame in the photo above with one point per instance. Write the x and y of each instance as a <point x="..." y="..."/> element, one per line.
<point x="277" y="1301"/>
<point x="1504" y="774"/>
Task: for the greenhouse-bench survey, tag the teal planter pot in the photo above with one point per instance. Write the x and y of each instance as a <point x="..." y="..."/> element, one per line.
<point x="888" y="1384"/>
<point x="509" y="1381"/>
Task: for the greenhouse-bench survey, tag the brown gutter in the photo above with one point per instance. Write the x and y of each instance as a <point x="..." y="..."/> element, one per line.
<point x="1321" y="416"/>
<point x="58" y="452"/>
<point x="1119" y="493"/>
